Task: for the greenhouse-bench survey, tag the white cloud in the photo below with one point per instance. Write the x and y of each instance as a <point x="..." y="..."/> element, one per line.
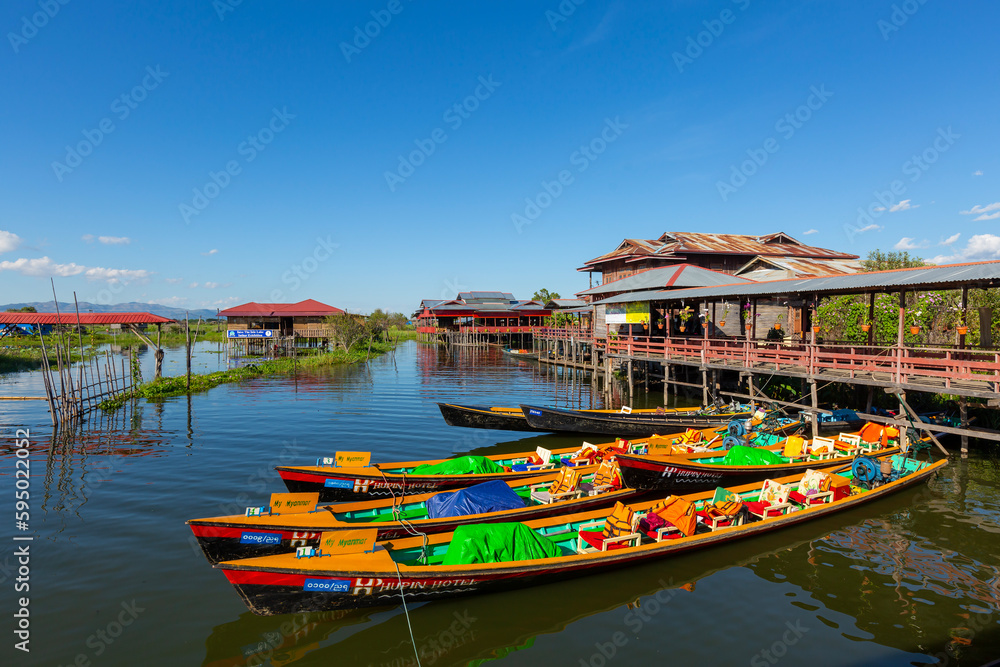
<point x="868" y="228"/>
<point x="44" y="267"/>
<point x="211" y="285"/>
<point x="978" y="172"/>
<point x="811" y="231"/>
<point x="902" y="206"/>
<point x="906" y="243"/>
<point x="172" y="301"/>
<point x="89" y="238"/>
<point x="977" y="209"/>
<point x="193" y="285"/>
<point x="984" y="216"/>
<point x="9" y="241"/>
<point x="114" y="240"/>
<point x="951" y="239"/>
<point x="980" y="247"/>
<point x="175" y="281"/>
<point x="210" y="252"/>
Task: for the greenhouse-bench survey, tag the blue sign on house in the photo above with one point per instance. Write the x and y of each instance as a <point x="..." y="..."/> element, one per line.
<point x="249" y="333"/>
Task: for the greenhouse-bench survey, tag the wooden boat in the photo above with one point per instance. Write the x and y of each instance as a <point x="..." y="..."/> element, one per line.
<point x="338" y="484"/>
<point x="634" y="424"/>
<point x="679" y="474"/>
<point x="521" y="354"/>
<point x="419" y="568"/>
<point x="478" y="416"/>
<point x="240" y="536"/>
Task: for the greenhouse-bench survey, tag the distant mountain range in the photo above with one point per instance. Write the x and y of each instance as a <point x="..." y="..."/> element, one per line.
<point x="132" y="307"/>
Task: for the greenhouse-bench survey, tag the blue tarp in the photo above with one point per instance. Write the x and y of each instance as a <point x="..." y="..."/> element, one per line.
<point x="839" y="416"/>
<point x="486" y="497"/>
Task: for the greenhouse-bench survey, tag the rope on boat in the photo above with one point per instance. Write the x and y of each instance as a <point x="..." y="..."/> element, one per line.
<point x="398" y="516"/>
<point x="406" y="612"/>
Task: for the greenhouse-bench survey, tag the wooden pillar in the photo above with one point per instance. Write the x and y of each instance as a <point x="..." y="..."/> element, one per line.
<point x="631" y="380"/>
<point x="187" y="332"/>
<point x="965" y="321"/>
<point x="753" y="319"/>
<point x="902" y="319"/>
<point x="871" y="318"/>
<point x="713" y="317"/>
<point x="158" y="355"/>
<point x="963" y="413"/>
<point x="815" y="404"/>
<point x="704" y="387"/>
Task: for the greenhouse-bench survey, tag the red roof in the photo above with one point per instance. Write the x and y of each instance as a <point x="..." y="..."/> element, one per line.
<point x="307" y="308"/>
<point x="85" y="318"/>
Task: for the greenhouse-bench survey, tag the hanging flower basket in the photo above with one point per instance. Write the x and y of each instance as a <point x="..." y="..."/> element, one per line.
<point x="816" y="329"/>
<point x="749" y="327"/>
<point x="682" y="328"/>
<point x="777" y="326"/>
<point x="722" y="323"/>
<point x="963" y="330"/>
<point x="914" y="330"/>
<point x="866" y="327"/>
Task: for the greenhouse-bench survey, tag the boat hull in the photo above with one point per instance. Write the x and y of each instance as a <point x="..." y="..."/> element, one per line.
<point x="269" y="590"/>
<point x="475" y="416"/>
<point x="620" y="424"/>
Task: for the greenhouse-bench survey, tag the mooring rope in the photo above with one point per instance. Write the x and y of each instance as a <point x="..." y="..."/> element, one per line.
<point x="406" y="612"/>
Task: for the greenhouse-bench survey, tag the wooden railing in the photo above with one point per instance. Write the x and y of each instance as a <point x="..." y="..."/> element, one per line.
<point x="902" y="364"/>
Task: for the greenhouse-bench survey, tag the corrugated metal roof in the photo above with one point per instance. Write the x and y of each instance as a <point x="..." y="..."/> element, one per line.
<point x="674" y="244"/>
<point x="780" y="268"/>
<point x="684" y="275"/>
<point x="85" y="318"/>
<point x="306" y="308"/>
<point x="566" y="303"/>
<point x="949" y="276"/>
<point x="474" y="296"/>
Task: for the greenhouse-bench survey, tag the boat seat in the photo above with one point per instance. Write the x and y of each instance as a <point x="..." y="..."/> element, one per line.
<point x="619" y="531"/>
<point x="564" y="487"/>
<point x="725" y="509"/>
<point x="813" y="489"/>
<point x="848" y="444"/>
<point x="822" y="448"/>
<point x="773" y="498"/>
<point x="794" y="447"/>
<point x="607" y="478"/>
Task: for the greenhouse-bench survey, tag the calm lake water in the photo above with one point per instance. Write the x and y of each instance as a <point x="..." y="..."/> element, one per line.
<point x="115" y="580"/>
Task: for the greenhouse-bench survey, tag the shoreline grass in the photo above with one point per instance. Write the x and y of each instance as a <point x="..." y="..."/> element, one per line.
<point x="169" y="387"/>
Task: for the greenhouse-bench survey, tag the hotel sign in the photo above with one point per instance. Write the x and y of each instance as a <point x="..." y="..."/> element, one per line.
<point x="249" y="333"/>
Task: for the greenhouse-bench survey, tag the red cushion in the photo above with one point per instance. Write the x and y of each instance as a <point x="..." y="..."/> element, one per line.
<point x="596" y="540"/>
<point x="758" y="507"/>
<point x="801" y="499"/>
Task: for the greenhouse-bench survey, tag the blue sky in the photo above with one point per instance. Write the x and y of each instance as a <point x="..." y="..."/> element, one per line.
<point x="203" y="154"/>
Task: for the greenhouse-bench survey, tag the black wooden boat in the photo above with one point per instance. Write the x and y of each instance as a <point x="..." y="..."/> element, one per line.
<point x="481" y="416"/>
<point x="634" y="424"/>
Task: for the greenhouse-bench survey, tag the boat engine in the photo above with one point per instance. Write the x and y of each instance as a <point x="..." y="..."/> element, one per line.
<point x="866" y="472"/>
<point x="731" y="441"/>
<point x="737" y="428"/>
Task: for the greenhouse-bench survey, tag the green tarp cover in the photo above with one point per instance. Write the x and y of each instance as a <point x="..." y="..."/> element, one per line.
<point x="463" y="465"/>
<point x="498" y="543"/>
<point x="751" y="456"/>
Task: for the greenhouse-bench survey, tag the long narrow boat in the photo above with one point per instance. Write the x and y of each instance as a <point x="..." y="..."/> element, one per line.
<point x="420" y="568"/>
<point x="521" y="354"/>
<point x="634" y="424"/>
<point x="481" y="416"/>
<point x="680" y="474"/>
<point x="240" y="536"/>
<point x="339" y="484"/>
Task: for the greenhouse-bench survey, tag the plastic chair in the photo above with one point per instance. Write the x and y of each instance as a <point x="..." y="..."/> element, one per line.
<point x="566" y="486"/>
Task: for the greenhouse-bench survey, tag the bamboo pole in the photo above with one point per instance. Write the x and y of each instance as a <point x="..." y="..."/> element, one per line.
<point x="187" y="331"/>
